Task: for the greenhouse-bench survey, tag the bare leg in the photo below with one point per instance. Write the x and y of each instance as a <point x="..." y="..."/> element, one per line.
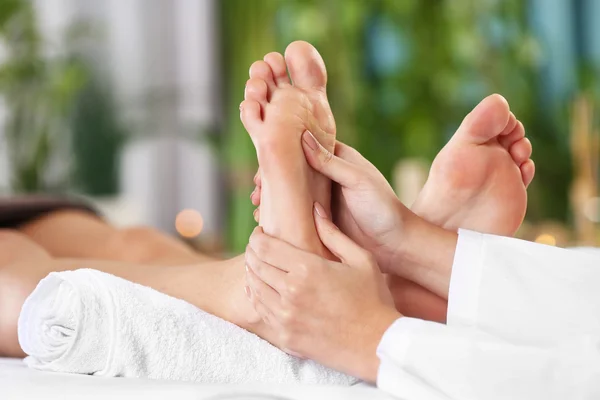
<point x="217" y="287"/>
<point x="212" y="286"/>
<point x="77" y="234"/>
<point x="23" y="264"/>
<point x="276" y="112"/>
<point x="16" y="253"/>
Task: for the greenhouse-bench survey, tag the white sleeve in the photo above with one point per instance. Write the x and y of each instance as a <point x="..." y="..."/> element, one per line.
<point x="524" y="292"/>
<point x="424" y="360"/>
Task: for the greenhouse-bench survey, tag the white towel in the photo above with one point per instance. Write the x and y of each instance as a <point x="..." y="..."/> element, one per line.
<point x="90" y="322"/>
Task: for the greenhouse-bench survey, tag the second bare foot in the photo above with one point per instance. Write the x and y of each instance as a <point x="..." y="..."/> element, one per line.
<point x="479" y="180"/>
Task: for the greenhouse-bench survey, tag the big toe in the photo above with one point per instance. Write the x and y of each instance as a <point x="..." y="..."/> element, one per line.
<point x="306" y="66"/>
<point x="487" y="120"/>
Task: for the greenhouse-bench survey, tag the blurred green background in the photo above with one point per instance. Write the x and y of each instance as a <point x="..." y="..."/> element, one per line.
<point x="402" y="75"/>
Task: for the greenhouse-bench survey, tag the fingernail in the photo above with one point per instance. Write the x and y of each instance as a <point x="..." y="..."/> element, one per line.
<point x="320" y="210"/>
<point x="247" y="290"/>
<point x="247" y="269"/>
<point x="241" y="106"/>
<point x="310" y="140"/>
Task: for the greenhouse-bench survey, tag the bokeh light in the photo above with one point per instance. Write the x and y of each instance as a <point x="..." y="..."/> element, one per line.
<point x="189" y="223"/>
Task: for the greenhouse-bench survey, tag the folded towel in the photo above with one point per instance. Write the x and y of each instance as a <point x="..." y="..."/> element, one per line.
<point x="89" y="322"/>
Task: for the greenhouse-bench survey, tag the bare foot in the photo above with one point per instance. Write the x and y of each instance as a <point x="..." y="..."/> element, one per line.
<point x="479" y="180"/>
<point x="275" y="113"/>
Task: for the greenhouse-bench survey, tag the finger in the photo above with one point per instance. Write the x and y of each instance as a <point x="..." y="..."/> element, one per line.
<point x="272" y="276"/>
<point x="333" y="167"/>
<point x="256" y="215"/>
<point x="339" y="244"/>
<point x="263" y="292"/>
<point x="278" y="253"/>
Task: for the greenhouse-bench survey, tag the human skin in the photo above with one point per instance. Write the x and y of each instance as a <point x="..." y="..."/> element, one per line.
<point x="289" y="286"/>
<point x="478" y="181"/>
<point x="214" y="286"/>
<point x="63" y="242"/>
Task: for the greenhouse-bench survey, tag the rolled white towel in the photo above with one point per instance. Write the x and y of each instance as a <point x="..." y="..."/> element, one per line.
<point x="90" y="322"/>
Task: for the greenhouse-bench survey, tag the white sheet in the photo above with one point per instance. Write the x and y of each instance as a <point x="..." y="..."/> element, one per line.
<point x="17" y="382"/>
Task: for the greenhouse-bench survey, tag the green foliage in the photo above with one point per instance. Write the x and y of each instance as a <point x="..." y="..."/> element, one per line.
<point x="248" y="34"/>
<point x="97" y="138"/>
<point x="39" y="92"/>
<point x="403" y="74"/>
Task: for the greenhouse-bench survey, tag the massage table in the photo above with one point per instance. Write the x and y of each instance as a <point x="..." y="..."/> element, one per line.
<point x="17" y="382"/>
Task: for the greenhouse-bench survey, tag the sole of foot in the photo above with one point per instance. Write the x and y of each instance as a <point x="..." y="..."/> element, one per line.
<point x="278" y="108"/>
<point x="479" y="180"/>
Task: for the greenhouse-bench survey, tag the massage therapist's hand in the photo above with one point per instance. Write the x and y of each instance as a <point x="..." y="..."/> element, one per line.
<point x="364" y="205"/>
<point x="331" y="312"/>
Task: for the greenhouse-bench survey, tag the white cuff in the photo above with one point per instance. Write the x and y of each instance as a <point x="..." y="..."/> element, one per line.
<point x="392" y="351"/>
<point x="465" y="281"/>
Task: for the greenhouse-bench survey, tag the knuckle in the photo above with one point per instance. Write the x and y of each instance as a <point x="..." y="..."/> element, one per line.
<point x="325" y="155"/>
<point x="330" y="229"/>
<point x="287" y="318"/>
<point x="295" y="294"/>
<point x="292" y="291"/>
<point x="303" y="270"/>
<point x="255" y="266"/>
<point x="262" y="246"/>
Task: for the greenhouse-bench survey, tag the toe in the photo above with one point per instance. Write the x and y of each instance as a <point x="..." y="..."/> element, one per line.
<point x="487" y="120"/>
<point x="277" y="64"/>
<point x="520" y="151"/>
<point x="255" y="196"/>
<point x="528" y="172"/>
<point x="250" y="114"/>
<point x="258" y="179"/>
<point x="514" y="136"/>
<point x="256" y="215"/>
<point x="256" y="89"/>
<point x="307" y="68"/>
<point x="262" y="70"/>
<point x="510" y="125"/>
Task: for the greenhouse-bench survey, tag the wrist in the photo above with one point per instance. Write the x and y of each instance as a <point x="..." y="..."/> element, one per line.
<point x="425" y="254"/>
<point x="368" y="362"/>
<point x="391" y="243"/>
